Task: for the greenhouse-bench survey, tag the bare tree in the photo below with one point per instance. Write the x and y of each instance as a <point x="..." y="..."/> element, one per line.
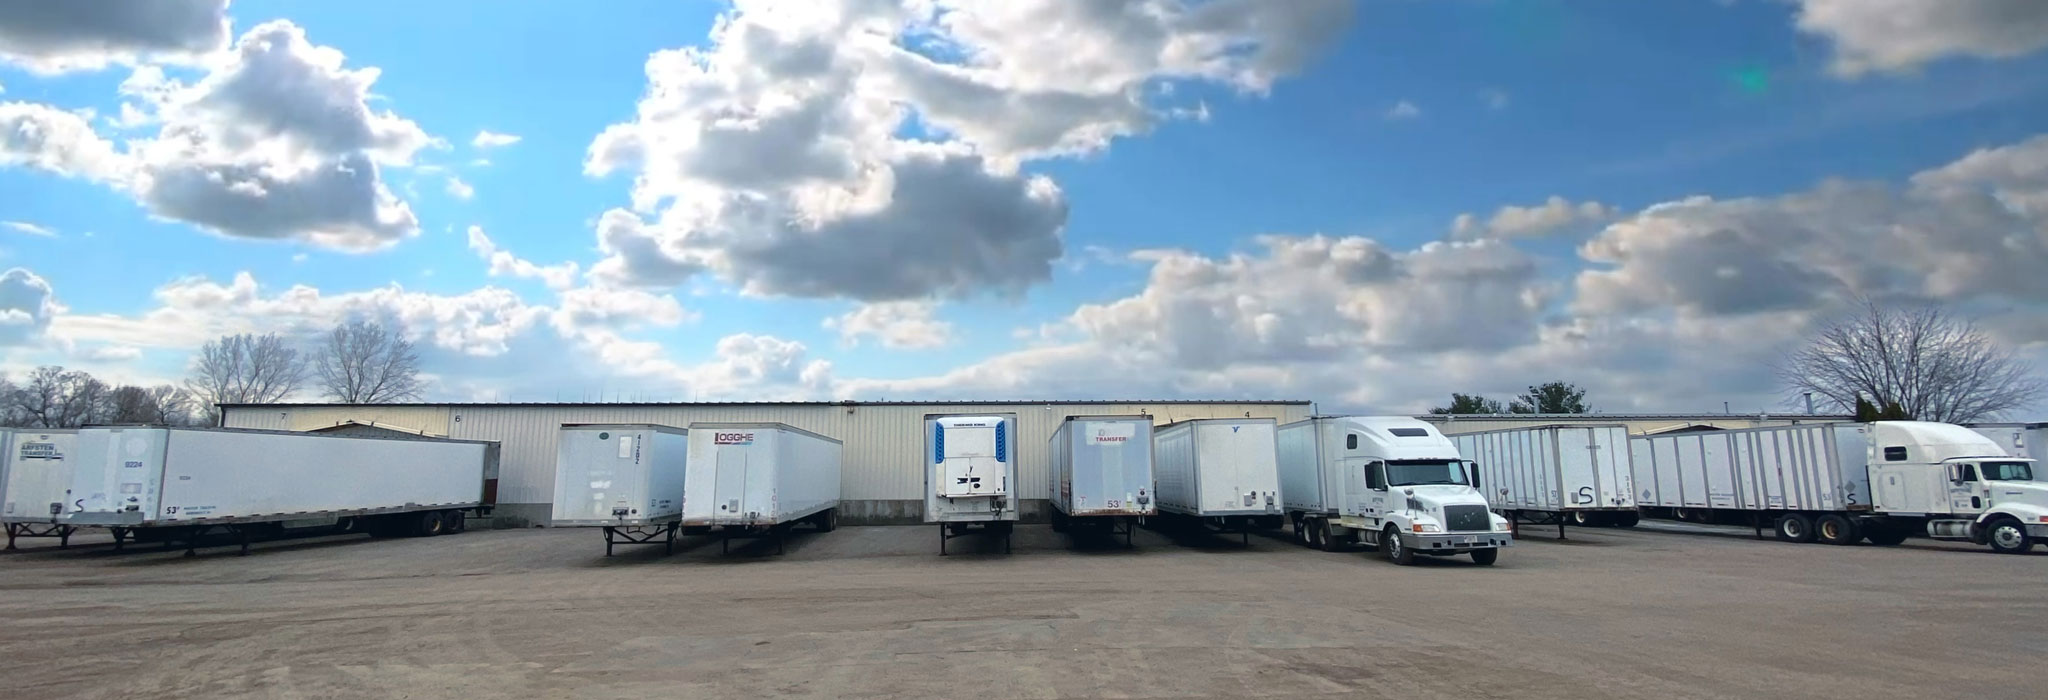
<point x="363" y="362"/>
<point x="156" y="405"/>
<point x="1928" y="364"/>
<point x="55" y="398"/>
<point x="245" y="368"/>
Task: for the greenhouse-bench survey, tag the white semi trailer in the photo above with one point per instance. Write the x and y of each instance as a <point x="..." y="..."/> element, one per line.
<point x="1100" y="470"/>
<point x="2017" y="439"/>
<point x="1392" y="482"/>
<point x="752" y="479"/>
<point x="1223" y="473"/>
<point x="626" y="479"/>
<point x="970" y="475"/>
<point x="1558" y="473"/>
<point x="35" y="478"/>
<point x="1844" y="482"/>
<point x="178" y="484"/>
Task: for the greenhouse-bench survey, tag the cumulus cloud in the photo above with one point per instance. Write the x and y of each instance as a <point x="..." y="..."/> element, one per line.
<point x="1893" y="35"/>
<point x="64" y="35"/>
<point x="491" y="139"/>
<point x="53" y="140"/>
<point x="278" y="141"/>
<point x="459" y="189"/>
<point x="26" y="306"/>
<point x="1554" y="215"/>
<point x="505" y="264"/>
<point x="898" y="324"/>
<point x="28" y="228"/>
<point x="1402" y="111"/>
<point x="776" y="156"/>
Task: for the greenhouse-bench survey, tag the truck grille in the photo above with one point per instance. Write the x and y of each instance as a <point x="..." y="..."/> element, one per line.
<point x="1466" y="519"/>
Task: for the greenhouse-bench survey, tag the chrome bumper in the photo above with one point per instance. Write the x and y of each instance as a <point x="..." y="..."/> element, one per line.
<point x="1455" y="541"/>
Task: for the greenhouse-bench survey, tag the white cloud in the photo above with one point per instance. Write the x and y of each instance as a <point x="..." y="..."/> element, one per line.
<point x="897" y="324"/>
<point x="505" y="264"/>
<point x="1553" y="215"/>
<point x="1894" y="35"/>
<point x="299" y="257"/>
<point x="1403" y="110"/>
<point x="50" y="37"/>
<point x="29" y="228"/>
<point x="491" y="139"/>
<point x="1495" y="98"/>
<point x="46" y="138"/>
<point x="108" y="353"/>
<point x="27" y="303"/>
<point x="774" y="157"/>
<point x="278" y="141"/>
<point x="459" y="189"/>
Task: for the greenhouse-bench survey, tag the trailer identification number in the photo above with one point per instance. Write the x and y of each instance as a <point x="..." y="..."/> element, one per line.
<point x="732" y="438"/>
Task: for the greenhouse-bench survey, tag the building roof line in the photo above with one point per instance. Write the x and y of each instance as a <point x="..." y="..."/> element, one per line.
<point x="731" y="404"/>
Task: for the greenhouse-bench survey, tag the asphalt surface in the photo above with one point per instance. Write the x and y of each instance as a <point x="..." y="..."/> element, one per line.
<point x="1664" y="611"/>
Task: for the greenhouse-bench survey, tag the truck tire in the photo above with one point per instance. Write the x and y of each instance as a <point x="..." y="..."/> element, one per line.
<point x="1315" y="532"/>
<point x="1837" y="530"/>
<point x="1885" y="534"/>
<point x="1390" y="543"/>
<point x="1485" y="557"/>
<point x="454" y="521"/>
<point x="1794" y="527"/>
<point x="828" y="520"/>
<point x="1327" y="540"/>
<point x="1628" y="519"/>
<point x="428" y="524"/>
<point x="2008" y="536"/>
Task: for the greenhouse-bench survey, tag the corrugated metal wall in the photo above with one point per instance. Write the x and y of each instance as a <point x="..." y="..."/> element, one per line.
<point x="1636" y="425"/>
<point x="884" y="443"/>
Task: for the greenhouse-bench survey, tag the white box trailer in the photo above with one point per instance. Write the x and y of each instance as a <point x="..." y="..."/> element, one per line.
<point x="1099" y="471"/>
<point x="625" y="478"/>
<point x="1575" y="473"/>
<point x="177" y="484"/>
<point x="2029" y="440"/>
<point x="1839" y="483"/>
<point x="35" y="480"/>
<point x="1391" y="482"/>
<point x="760" y="478"/>
<point x="970" y="475"/>
<point x="1221" y="472"/>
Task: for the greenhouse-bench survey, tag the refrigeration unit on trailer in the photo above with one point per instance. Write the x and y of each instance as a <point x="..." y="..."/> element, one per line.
<point x="1390" y="482"/>
<point x="1556" y="473"/>
<point x="1223" y="473"/>
<point x="759" y="479"/>
<point x="627" y="479"/>
<point x="970" y="475"/>
<point x="35" y="477"/>
<point x="177" y="484"/>
<point x="1842" y="482"/>
<point x="1100" y="474"/>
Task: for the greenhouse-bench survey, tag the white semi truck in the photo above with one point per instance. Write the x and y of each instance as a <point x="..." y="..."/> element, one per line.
<point x="1391" y="482"/>
<point x="970" y="475"/>
<point x="1845" y="482"/>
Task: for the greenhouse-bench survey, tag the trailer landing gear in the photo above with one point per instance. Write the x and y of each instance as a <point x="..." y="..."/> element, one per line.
<point x="949" y="531"/>
<point x="664" y="535"/>
<point x="59" y="531"/>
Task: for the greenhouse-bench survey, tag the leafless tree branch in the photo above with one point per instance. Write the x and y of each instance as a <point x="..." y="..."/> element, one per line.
<point x="1934" y="366"/>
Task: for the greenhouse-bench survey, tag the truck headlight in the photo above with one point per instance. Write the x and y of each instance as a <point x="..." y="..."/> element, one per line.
<point x="1500" y="526"/>
<point x="1425" y="527"/>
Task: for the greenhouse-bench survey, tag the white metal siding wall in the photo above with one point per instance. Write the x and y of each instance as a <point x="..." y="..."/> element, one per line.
<point x="884" y="444"/>
<point x="1635" y="426"/>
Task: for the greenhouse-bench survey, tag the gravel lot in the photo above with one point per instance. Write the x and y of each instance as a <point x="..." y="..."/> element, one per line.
<point x="1664" y="611"/>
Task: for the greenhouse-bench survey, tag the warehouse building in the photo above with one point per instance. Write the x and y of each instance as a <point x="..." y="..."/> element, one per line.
<point x="883" y="454"/>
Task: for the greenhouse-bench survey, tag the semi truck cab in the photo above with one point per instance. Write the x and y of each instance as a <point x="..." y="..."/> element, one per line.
<point x="1397" y="484"/>
<point x="1962" y="483"/>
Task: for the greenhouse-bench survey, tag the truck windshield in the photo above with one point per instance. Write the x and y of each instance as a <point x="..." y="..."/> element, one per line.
<point x="2008" y="471"/>
<point x="1418" y="473"/>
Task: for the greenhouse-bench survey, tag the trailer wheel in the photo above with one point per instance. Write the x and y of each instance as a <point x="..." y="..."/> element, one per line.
<point x="829" y="520"/>
<point x="2008" y="536"/>
<point x="1886" y="534"/>
<point x="1629" y="519"/>
<point x="1793" y="527"/>
<point x="1837" y="530"/>
<point x="429" y="524"/>
<point x="1301" y="531"/>
<point x="1390" y="542"/>
<point x="1313" y="530"/>
<point x="454" y="521"/>
<point x="1584" y="519"/>
<point x="1485" y="557"/>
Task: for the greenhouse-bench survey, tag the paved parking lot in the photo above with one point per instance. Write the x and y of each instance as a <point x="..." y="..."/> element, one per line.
<point x="874" y="613"/>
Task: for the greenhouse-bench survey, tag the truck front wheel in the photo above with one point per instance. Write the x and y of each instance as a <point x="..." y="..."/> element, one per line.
<point x="1793" y="527"/>
<point x="1835" y="529"/>
<point x="1485" y="557"/>
<point x="2008" y="536"/>
<point x="1390" y="542"/>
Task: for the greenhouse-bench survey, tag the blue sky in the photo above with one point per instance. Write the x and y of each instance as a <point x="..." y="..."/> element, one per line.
<point x="1220" y="198"/>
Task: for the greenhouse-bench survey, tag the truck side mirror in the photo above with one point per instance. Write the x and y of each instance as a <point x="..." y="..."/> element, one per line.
<point x="1472" y="474"/>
